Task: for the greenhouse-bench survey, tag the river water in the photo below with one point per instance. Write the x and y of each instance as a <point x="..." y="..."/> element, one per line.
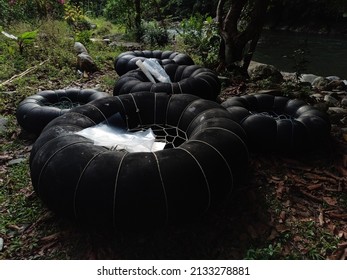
<point x="326" y="55"/>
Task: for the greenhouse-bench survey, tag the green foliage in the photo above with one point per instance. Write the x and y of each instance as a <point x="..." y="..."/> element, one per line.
<point x="72" y="13"/>
<point x="321" y="242"/>
<point x="22" y="40"/>
<point x="75" y="17"/>
<point x="201" y="38"/>
<point x="25" y="39"/>
<point x="25" y="10"/>
<point x="154" y="34"/>
<point x="120" y="11"/>
<point x="83" y="37"/>
<point x="271" y="252"/>
<point x="180" y="9"/>
<point x="299" y="57"/>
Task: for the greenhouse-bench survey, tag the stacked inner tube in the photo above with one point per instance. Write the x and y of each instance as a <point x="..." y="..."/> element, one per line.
<point x="126" y="61"/>
<point x="123" y="190"/>
<point x="36" y="111"/>
<point x="192" y="79"/>
<point x="279" y="123"/>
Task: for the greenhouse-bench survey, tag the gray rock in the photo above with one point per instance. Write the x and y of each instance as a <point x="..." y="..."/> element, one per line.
<point x="336" y="85"/>
<point x="344" y="101"/>
<point x="275" y="92"/>
<point x="333" y="78"/>
<point x="264" y="71"/>
<point x="331" y="100"/>
<point x="85" y="63"/>
<point x="307" y="78"/>
<point x="320" y="83"/>
<point x="80" y="48"/>
<point x="1" y="244"/>
<point x="337" y="110"/>
<point x="317" y="96"/>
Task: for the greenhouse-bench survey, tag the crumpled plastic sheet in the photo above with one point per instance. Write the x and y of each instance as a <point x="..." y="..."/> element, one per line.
<point x="118" y="138"/>
<point x="156" y="70"/>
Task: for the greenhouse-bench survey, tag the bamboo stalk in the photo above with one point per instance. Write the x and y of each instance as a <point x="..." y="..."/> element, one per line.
<point x="27" y="71"/>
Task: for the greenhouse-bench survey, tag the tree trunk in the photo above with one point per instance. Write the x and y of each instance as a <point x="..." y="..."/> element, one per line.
<point x="138" y="20"/>
<point x="239" y="41"/>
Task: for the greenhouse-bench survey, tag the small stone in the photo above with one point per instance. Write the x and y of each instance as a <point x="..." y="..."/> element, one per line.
<point x="331" y="100"/>
<point x="344" y="101"/>
<point x="337" y="110"/>
<point x="264" y="71"/>
<point x="317" y="96"/>
<point x="275" y="92"/>
<point x="1" y="244"/>
<point x="333" y="78"/>
<point x="85" y="63"/>
<point x="336" y="85"/>
<point x="308" y="78"/>
<point x="80" y="48"/>
<point x="320" y="83"/>
<point x="16" y="161"/>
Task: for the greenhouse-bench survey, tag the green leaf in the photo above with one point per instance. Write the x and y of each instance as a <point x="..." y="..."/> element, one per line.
<point x="30" y="35"/>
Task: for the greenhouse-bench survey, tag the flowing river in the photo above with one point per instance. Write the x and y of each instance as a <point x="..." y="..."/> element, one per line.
<point x="325" y="55"/>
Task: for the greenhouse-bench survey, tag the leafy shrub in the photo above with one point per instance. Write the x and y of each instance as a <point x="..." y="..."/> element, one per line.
<point x="75" y="17"/>
<point x="200" y="37"/>
<point x="25" y="10"/>
<point x="83" y="37"/>
<point x="154" y="35"/>
<point x="22" y="40"/>
<point x="120" y="11"/>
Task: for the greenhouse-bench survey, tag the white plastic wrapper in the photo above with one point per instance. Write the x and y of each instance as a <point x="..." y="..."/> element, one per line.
<point x="119" y="139"/>
<point x="144" y="69"/>
<point x="158" y="72"/>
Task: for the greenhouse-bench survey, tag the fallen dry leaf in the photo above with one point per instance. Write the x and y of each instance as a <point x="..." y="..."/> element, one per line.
<point x="338" y="215"/>
<point x="314" y="186"/>
<point x="330" y="200"/>
<point x="51" y="237"/>
<point x="282" y="217"/>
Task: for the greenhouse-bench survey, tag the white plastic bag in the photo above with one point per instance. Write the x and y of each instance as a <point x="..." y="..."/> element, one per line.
<point x="158" y="72"/>
<point x="144" y="69"/>
<point x="119" y="139"/>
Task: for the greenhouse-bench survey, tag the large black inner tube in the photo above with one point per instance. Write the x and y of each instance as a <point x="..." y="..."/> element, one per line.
<point x="192" y="79"/>
<point x="36" y="111"/>
<point x="279" y="123"/>
<point x="123" y="190"/>
<point x="126" y="61"/>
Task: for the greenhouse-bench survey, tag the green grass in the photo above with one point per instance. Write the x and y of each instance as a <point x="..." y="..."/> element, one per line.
<point x="20" y="208"/>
